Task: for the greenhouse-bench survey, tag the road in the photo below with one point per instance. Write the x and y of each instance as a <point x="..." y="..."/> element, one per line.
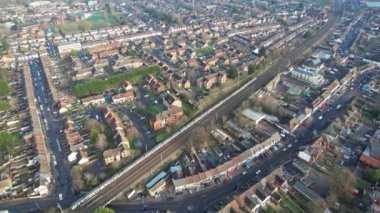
<point x="148" y="164"/>
<point x="52" y="49"/>
<point x="145" y="166"/>
<point x="208" y="199"/>
<point x="52" y="127"/>
<point x="60" y="166"/>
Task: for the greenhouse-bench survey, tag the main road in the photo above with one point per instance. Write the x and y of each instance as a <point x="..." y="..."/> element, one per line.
<point x="102" y="195"/>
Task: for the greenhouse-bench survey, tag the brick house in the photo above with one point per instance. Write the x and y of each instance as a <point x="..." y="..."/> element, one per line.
<point x="166" y="118"/>
<point x="208" y="81"/>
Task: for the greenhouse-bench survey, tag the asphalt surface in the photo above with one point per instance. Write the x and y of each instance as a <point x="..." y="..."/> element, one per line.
<point x="61" y="182"/>
<point x="210" y="199"/>
<point x="60" y="166"/>
<point x="52" y="49"/>
<point x="150" y="162"/>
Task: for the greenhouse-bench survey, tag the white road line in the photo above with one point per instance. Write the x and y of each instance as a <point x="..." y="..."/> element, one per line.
<point x="59" y="146"/>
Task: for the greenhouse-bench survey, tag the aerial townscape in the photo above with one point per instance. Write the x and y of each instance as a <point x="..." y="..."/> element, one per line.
<point x="204" y="106"/>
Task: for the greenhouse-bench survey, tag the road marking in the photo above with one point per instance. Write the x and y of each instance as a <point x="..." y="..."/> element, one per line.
<point x="59" y="146"/>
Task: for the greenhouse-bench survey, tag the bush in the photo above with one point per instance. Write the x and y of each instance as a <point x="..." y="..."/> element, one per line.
<point x="104" y="210"/>
<point x="97" y="86"/>
<point x="306" y="34"/>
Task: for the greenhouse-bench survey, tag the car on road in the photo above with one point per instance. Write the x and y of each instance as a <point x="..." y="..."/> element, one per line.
<point x="320" y="117"/>
<point x="258" y="172"/>
<point x="60" y="196"/>
<point x="338" y="107"/>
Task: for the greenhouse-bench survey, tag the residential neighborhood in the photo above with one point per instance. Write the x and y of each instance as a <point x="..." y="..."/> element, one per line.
<point x="189" y="106"/>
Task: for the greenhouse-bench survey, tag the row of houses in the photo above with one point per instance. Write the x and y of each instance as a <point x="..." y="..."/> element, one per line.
<point x="119" y="137"/>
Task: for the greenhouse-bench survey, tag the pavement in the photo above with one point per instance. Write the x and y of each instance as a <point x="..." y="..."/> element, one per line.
<point x="214" y="197"/>
<point x="61" y="182"/>
<point x="52" y="128"/>
<point x="207" y="200"/>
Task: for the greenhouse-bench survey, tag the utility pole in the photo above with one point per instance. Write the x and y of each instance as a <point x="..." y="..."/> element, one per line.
<point x="59" y="206"/>
<point x="195" y="10"/>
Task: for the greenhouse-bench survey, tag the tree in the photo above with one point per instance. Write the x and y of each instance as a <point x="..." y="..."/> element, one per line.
<point x="233" y="73"/>
<point x="132" y="133"/>
<point x="4" y="45"/>
<point x="282" y="21"/>
<point x="101" y="142"/>
<point x="306" y="34"/>
<point x="375" y="175"/>
<point x="300" y="6"/>
<point x="198" y="140"/>
<point x="92" y="124"/>
<point x="94" y="135"/>
<point x="252" y="69"/>
<point x="77" y="178"/>
<point x="104" y="210"/>
<point x="74" y="52"/>
<point x="339" y="182"/>
<point x="84" y="25"/>
<point x="262" y="51"/>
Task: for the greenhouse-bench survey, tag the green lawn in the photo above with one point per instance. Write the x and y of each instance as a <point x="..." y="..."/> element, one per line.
<point x="153" y="109"/>
<point x="187" y="108"/>
<point x="206" y="51"/>
<point x="4" y="106"/>
<point x="9" y="142"/>
<point x="97" y="20"/>
<point x="286" y="203"/>
<point x="161" y="135"/>
<point x="269" y="209"/>
<point x="98" y="86"/>
<point x="4" y="88"/>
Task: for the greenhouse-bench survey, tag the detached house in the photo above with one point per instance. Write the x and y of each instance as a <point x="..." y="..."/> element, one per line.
<point x="154" y="84"/>
<point x="116" y="154"/>
<point x="166" y="118"/>
<point x="208" y="81"/>
<point x="170" y="100"/>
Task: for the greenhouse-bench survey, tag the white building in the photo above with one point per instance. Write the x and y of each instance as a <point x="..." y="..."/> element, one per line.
<point x="308" y="74"/>
<point x="38" y="4"/>
<point x="66" y="47"/>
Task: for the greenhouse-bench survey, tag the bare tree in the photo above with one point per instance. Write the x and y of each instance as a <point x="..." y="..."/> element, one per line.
<point x="198" y="139"/>
<point x="101" y="142"/>
<point x="77" y="178"/>
<point x="92" y="124"/>
<point x="340" y="183"/>
<point x="132" y="133"/>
